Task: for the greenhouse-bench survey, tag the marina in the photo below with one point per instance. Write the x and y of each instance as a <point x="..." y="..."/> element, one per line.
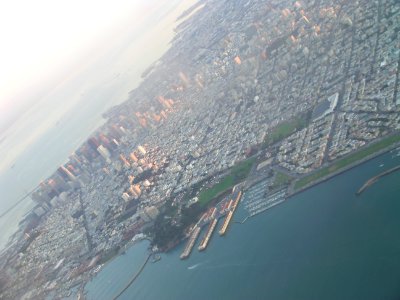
<point x="257" y="199"/>
<point x="267" y="203"/>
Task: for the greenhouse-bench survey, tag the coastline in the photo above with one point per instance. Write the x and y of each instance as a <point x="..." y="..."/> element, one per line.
<point x="289" y="195"/>
<point x="292" y="192"/>
<point x="224" y="253"/>
<point x="91" y="275"/>
<point x="374" y="179"/>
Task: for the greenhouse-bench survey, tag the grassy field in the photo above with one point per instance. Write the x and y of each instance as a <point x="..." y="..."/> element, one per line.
<point x="285" y="129"/>
<point x="281" y="179"/>
<point x="236" y="174"/>
<point x="342" y="163"/>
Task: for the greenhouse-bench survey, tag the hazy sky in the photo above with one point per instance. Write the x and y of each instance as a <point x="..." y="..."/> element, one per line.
<point x="43" y="40"/>
<point x="61" y="66"/>
<point x="53" y="55"/>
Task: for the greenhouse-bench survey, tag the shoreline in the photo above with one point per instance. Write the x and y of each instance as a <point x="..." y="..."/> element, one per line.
<point x="292" y="192"/>
<point x="289" y="195"/>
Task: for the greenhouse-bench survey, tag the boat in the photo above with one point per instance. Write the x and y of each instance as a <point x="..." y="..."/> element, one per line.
<point x="97" y="269"/>
<point x="156" y="258"/>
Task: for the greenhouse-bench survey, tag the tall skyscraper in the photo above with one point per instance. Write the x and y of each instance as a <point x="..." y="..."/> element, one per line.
<point x="66" y="174"/>
<point x="74" y="158"/>
<point x="142" y="150"/>
<point x="58" y="184"/>
<point x="93" y="144"/>
<point x="105" y="141"/>
<point x="42" y="198"/>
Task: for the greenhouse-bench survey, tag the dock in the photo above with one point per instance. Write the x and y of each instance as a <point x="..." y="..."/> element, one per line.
<point x="262" y="203"/>
<point x="228" y="218"/>
<point x="264" y="208"/>
<point x="225" y="225"/>
<point x="206" y="239"/>
<point x="192" y="239"/>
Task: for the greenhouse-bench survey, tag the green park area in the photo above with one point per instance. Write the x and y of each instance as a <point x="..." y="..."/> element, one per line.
<point x="237" y="173"/>
<point x="286" y="128"/>
<point x="169" y="226"/>
<point x="346" y="161"/>
<point x="281" y="180"/>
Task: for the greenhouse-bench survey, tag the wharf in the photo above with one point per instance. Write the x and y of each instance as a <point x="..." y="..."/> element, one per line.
<point x="206" y="239"/>
<point x="225" y="225"/>
<point x="192" y="239"/>
<point x="229" y="216"/>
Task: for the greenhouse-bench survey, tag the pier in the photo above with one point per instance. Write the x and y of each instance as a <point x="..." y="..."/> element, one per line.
<point x="225" y="225"/>
<point x="374" y="179"/>
<point x="192" y="239"/>
<point x="206" y="239"/>
<point x="229" y="216"/>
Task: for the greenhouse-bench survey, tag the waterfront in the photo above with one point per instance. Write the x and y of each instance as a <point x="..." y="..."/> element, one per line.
<point x="324" y="243"/>
<point x="227" y="88"/>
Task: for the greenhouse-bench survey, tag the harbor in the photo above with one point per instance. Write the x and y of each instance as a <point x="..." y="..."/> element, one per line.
<point x="258" y="198"/>
<point x="226" y="208"/>
<point x="307" y="217"/>
<point x="268" y="202"/>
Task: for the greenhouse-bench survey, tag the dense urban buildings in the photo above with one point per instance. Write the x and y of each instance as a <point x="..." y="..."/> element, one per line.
<point x="236" y="74"/>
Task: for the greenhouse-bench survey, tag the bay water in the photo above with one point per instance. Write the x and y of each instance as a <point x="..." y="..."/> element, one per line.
<point x="324" y="243"/>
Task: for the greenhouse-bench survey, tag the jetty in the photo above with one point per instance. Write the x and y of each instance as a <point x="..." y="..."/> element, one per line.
<point x="134" y="277"/>
<point x="374" y="179"/>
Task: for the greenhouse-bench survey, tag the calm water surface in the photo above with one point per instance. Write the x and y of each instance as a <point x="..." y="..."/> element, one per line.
<point x="325" y="243"/>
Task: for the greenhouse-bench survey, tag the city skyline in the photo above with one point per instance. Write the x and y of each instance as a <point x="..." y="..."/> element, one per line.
<point x="249" y="105"/>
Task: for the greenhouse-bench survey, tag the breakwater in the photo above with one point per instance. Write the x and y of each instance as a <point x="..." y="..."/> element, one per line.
<point x="292" y="191"/>
<point x="134" y="277"/>
<point x="374" y="179"/>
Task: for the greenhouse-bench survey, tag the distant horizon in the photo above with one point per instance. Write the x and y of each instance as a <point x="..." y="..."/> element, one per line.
<point x="46" y="94"/>
<point x="45" y="131"/>
<point x="60" y="51"/>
